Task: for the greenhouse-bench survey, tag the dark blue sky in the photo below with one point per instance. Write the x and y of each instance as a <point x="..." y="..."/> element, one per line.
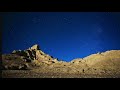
<point x="64" y="35"/>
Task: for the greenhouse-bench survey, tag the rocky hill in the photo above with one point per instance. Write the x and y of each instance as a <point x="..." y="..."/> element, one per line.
<point x="34" y="63"/>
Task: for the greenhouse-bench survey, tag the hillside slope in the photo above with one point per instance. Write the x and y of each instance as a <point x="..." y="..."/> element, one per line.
<point x="34" y="63"/>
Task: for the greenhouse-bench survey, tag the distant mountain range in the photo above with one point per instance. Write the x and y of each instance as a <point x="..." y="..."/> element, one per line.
<point x="34" y="63"/>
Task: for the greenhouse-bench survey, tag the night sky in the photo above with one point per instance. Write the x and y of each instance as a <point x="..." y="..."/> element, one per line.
<point x="63" y="35"/>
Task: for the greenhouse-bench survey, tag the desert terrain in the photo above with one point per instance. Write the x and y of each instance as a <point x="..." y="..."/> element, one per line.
<point x="34" y="63"/>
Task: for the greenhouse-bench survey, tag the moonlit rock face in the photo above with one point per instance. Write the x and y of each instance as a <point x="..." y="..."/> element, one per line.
<point x="35" y="47"/>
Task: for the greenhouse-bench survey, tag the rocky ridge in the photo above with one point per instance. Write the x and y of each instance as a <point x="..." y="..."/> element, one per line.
<point x="106" y="64"/>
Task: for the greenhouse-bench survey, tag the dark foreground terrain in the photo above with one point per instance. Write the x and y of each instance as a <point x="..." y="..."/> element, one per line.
<point x="32" y="74"/>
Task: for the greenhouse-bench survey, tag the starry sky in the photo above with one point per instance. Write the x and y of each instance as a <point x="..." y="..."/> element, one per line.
<point x="63" y="35"/>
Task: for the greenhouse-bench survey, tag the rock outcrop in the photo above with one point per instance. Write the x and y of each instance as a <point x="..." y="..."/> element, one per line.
<point x="34" y="53"/>
<point x="35" y="47"/>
